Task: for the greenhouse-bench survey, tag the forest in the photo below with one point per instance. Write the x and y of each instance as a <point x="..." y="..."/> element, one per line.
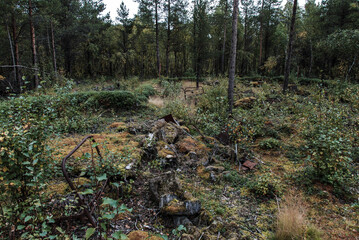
<point x="191" y="119"/>
<point x="44" y="39"/>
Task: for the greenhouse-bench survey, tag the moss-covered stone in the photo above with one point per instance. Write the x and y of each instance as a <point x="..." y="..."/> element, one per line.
<point x="141" y="235"/>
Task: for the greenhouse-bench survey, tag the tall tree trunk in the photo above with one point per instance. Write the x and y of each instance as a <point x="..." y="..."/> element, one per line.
<point x="53" y="48"/>
<point x="16" y="50"/>
<point x="232" y="66"/>
<point x="261" y="36"/>
<point x="33" y="46"/>
<point x="168" y="38"/>
<point x="125" y="52"/>
<point x="311" y="59"/>
<point x="243" y="64"/>
<point x="195" y="47"/>
<point x="12" y="55"/>
<point x="175" y="69"/>
<point x="290" y="47"/>
<point x="157" y="40"/>
<point x="224" y="37"/>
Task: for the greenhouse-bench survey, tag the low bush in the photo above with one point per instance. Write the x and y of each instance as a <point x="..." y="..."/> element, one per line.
<point x="265" y="185"/>
<point x="25" y="162"/>
<point x="170" y="88"/>
<point x="330" y="146"/>
<point x="117" y="100"/>
<point x="270" y="144"/>
<point x="212" y="110"/>
<point x="146" y="90"/>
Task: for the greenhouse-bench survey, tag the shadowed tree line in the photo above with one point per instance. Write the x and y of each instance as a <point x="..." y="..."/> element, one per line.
<point x="44" y="40"/>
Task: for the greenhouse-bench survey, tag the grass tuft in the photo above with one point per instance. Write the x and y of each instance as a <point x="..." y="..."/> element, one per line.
<point x="291" y="223"/>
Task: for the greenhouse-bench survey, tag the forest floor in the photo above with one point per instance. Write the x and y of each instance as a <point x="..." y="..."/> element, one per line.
<point x="168" y="169"/>
<point x="177" y="167"/>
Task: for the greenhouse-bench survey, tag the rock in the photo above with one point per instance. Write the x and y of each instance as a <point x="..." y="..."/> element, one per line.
<point x="149" y="153"/>
<point x="217" y="169"/>
<point x="189" y="144"/>
<point x="188" y="237"/>
<point x="166" y="183"/>
<point x="188" y="196"/>
<point x="193" y="156"/>
<point x="168" y="133"/>
<point x="166" y="199"/>
<point x="165" y="149"/>
<point x="158" y="125"/>
<point x="244" y="102"/>
<point x="141" y="235"/>
<point x="213" y="177"/>
<point x="181" y="221"/>
<point x="137" y="128"/>
<point x="182" y="208"/>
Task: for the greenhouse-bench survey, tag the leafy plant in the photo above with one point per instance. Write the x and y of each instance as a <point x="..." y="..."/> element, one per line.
<point x="265" y="185"/>
<point x="178" y="231"/>
<point x="270" y="144"/>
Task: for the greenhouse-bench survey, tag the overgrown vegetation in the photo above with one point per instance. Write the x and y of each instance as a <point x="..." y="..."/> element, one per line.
<point x="306" y="139"/>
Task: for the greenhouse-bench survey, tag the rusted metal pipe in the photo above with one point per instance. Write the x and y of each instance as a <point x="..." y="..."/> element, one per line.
<point x="71" y="184"/>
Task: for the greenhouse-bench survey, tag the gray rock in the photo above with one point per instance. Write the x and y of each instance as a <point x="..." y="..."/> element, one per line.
<point x="166" y="199"/>
<point x="182" y="220"/>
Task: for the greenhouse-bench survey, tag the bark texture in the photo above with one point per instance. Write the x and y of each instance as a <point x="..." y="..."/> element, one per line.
<point x="290" y="48"/>
<point x="232" y="66"/>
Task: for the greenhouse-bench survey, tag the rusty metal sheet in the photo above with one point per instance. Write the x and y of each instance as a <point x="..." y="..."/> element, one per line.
<point x="248" y="164"/>
<point x="169" y="118"/>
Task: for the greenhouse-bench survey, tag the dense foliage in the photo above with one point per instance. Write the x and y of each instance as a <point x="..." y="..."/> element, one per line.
<point x="76" y="39"/>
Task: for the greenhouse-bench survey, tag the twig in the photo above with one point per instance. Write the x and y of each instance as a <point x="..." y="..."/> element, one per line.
<point x="20" y="66"/>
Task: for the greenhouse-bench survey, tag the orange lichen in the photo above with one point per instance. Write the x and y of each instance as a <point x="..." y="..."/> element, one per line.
<point x="189" y="144"/>
<point x="201" y="171"/>
<point x="174" y="207"/>
<point x="141" y="235"/>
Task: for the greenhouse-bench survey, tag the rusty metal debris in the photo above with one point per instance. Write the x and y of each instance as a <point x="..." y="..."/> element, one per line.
<point x="89" y="208"/>
<point x="169" y="118"/>
<point x="249" y="165"/>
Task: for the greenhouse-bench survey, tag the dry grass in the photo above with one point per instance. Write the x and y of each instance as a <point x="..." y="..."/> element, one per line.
<point x="157" y="101"/>
<point x="291" y="220"/>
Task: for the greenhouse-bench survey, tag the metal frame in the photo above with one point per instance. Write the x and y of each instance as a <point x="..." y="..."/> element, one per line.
<point x="88" y="209"/>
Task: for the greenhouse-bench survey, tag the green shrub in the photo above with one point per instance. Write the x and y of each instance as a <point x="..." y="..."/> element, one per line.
<point x="330" y="155"/>
<point x="212" y="110"/>
<point x="235" y="179"/>
<point x="117" y="100"/>
<point x="25" y="162"/>
<point x="330" y="143"/>
<point x="265" y="185"/>
<point x="178" y="109"/>
<point x="170" y="88"/>
<point x="270" y="144"/>
<point x="313" y="233"/>
<point x="145" y="90"/>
